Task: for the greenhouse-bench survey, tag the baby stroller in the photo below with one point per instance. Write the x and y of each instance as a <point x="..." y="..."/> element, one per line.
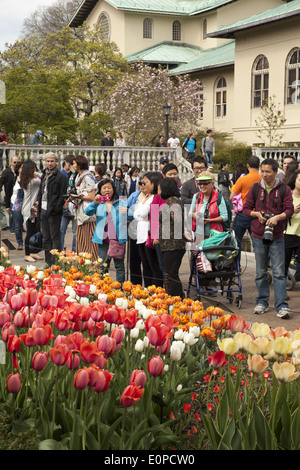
<point x="216" y="260"/>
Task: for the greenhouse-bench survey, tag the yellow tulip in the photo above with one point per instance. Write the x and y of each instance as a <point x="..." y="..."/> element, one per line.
<point x="282" y="346"/>
<point x="285" y="372"/>
<point x="257" y="364"/>
<point x="228" y="345"/>
<point x="260" y="329"/>
<point x="260" y="345"/>
<point x="242" y="339"/>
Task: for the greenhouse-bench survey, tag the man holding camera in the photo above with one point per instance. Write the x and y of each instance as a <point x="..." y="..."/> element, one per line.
<point x="270" y="204"/>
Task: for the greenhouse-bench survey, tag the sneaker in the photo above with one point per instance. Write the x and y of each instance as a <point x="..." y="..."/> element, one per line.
<point x="260" y="309"/>
<point x="284" y="313"/>
<point x="20" y="247"/>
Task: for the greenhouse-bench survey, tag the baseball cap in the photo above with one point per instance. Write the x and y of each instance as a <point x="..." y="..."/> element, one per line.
<point x="164" y="160"/>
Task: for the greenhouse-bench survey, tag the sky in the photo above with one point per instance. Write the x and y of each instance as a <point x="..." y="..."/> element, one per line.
<point x="13" y="14"/>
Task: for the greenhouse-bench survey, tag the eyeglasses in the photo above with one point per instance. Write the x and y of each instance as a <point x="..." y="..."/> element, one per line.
<point x="199" y="168"/>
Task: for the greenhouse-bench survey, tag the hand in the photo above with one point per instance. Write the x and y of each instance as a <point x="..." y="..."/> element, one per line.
<point x="297" y="209"/>
<point x="122" y="209"/>
<point x="206" y="221"/>
<point x="272" y="221"/>
<point x="97" y="199"/>
<point x="155" y="242"/>
<point x="261" y="218"/>
<point x="7" y="209"/>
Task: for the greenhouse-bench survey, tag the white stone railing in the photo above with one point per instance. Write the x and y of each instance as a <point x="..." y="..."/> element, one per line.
<point x="276" y="153"/>
<point x="145" y="158"/>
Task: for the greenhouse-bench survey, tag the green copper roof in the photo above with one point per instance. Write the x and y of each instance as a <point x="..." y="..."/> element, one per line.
<point x="166" y="52"/>
<point x="220" y="56"/>
<point x="184" y="58"/>
<point x="274" y="14"/>
<point x="166" y="7"/>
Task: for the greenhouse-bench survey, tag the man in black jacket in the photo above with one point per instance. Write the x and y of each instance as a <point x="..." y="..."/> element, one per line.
<point x="51" y="201"/>
<point x="190" y="187"/>
<point x="7" y="180"/>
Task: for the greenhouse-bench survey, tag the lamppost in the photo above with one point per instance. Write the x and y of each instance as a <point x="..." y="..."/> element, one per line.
<point x="166" y="110"/>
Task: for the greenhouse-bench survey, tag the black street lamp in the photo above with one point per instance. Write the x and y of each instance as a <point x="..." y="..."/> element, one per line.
<point x="166" y="110"/>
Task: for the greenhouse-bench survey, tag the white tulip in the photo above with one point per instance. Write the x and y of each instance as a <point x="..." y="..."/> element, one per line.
<point x="134" y="333"/>
<point x="93" y="289"/>
<point x="30" y="269"/>
<point x="40" y="275"/>
<point x="179" y="388"/>
<point x="139" y="345"/>
<point x="179" y="334"/>
<point x="190" y="339"/>
<point x="84" y="301"/>
<point x="195" y="330"/>
<point x="102" y="296"/>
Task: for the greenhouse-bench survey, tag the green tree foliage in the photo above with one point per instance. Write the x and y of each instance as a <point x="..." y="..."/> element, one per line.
<point x="83" y="64"/>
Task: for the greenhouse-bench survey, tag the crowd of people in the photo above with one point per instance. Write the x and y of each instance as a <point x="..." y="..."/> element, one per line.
<point x="151" y="216"/>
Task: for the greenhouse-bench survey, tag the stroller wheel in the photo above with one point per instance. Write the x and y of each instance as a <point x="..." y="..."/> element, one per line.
<point x="290" y="282"/>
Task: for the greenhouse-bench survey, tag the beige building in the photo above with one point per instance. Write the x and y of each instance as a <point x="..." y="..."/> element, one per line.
<point x="244" y="51"/>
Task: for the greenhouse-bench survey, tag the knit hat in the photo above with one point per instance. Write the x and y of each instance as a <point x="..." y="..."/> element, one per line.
<point x="51" y="155"/>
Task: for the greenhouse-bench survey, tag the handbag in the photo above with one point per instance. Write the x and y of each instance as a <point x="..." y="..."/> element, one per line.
<point x="116" y="249"/>
<point x="203" y="264"/>
<point x="36" y="243"/>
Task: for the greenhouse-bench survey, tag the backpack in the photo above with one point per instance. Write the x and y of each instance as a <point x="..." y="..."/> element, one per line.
<point x="226" y="225"/>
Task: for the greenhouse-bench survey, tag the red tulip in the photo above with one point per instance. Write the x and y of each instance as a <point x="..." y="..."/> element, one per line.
<point x="59" y="354"/>
<point x="155" y="366"/>
<point x="30" y="296"/>
<point x="21" y="319"/>
<point x="112" y="314"/>
<point x="13" y="383"/>
<point x="138" y="377"/>
<point x="131" y="395"/>
<point x="89" y="352"/>
<point x="218" y="359"/>
<point x="165" y="347"/>
<point x="129" y="318"/>
<point x="2" y="291"/>
<point x="42" y="334"/>
<point x="81" y="379"/>
<point x="82" y="289"/>
<point x="236" y="323"/>
<point x="103" y="380"/>
<point x="97" y="311"/>
<point x="39" y="360"/>
<point x="13" y="343"/>
<point x="4" y="318"/>
<point x="158" y="334"/>
<point x="28" y="339"/>
<point x="9" y="281"/>
<point x="73" y="361"/>
<point x="74" y="340"/>
<point x="61" y="320"/>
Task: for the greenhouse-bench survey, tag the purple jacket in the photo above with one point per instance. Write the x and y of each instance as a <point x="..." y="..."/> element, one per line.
<point x="268" y="206"/>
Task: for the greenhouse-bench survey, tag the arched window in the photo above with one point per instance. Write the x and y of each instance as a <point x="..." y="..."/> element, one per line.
<point x="204" y="29"/>
<point x="176" y="31"/>
<point x="104" y="23"/>
<point x="221" y="98"/>
<point x="147" y="28"/>
<point x="260" y="81"/>
<point x="293" y="77"/>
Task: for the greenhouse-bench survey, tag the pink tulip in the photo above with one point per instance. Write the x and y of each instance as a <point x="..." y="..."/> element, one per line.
<point x="20" y="319"/>
<point x="30" y="296"/>
<point x="82" y="289"/>
<point x="106" y="344"/>
<point x="138" y="377"/>
<point x="13" y="383"/>
<point x="155" y="366"/>
<point x="8" y="329"/>
<point x="103" y="380"/>
<point x="118" y="334"/>
<point x="81" y="379"/>
<point x="73" y="361"/>
<point x="16" y="302"/>
<point x="59" y="354"/>
<point x="39" y="360"/>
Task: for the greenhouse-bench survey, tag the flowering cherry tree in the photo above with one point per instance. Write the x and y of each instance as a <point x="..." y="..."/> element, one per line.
<point x="270" y="123"/>
<point x="137" y="101"/>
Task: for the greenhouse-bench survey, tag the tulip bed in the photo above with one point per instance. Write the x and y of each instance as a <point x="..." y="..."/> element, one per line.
<point x="88" y="364"/>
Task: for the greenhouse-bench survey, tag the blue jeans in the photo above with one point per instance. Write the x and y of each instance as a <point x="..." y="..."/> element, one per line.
<point x="119" y="263"/>
<point x="63" y="228"/>
<point x="241" y="223"/>
<point x="208" y="156"/>
<point x="274" y="252"/>
<point x="17" y="222"/>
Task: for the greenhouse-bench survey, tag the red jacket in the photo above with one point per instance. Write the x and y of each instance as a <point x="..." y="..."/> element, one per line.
<point x="268" y="206"/>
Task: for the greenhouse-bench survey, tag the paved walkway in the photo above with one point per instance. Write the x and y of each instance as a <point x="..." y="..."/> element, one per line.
<point x="247" y="280"/>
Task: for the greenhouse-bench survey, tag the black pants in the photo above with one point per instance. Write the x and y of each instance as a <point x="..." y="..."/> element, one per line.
<point x="291" y="245"/>
<point x="157" y="275"/>
<point x="135" y="263"/>
<point x="147" y="271"/>
<point x="173" y="261"/>
<point x="50" y="228"/>
<point x="31" y="229"/>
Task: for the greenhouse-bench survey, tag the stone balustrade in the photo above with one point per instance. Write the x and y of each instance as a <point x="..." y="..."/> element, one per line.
<point x="276" y="153"/>
<point x="145" y="158"/>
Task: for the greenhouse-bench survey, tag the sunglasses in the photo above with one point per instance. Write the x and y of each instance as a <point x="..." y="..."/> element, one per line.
<point x="200" y="183"/>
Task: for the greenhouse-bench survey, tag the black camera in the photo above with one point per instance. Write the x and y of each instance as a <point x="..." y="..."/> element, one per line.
<point x="70" y="192"/>
<point x="269" y="231"/>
